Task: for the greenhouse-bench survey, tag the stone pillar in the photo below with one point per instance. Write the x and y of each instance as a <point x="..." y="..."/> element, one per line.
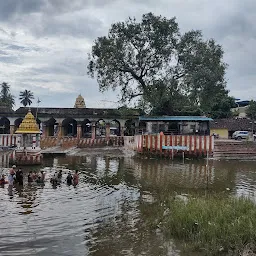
<point x="45" y="132"/>
<point x="122" y="131"/>
<point x="107" y="130"/>
<point x="33" y="141"/>
<point x="79" y="131"/>
<point x="60" y="130"/>
<point x="38" y="138"/>
<point x="12" y="129"/>
<point x="18" y="141"/>
<point x="93" y="130"/>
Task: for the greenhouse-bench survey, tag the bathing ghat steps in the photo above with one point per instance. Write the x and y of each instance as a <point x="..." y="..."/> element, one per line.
<point x="233" y="149"/>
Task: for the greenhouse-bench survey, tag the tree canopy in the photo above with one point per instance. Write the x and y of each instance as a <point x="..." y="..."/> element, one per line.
<point x="251" y="110"/>
<point x="165" y="70"/>
<point x="6" y="98"/>
<point x="26" y="98"/>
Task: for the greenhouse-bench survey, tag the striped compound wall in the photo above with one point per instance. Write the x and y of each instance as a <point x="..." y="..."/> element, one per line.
<point x="7" y="140"/>
<point x="67" y="142"/>
<point x="4" y="159"/>
<point x="197" y="145"/>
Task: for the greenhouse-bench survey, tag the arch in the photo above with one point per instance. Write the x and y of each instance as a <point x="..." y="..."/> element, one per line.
<point x="142" y="127"/>
<point x="69" y="126"/>
<point x="51" y="127"/>
<point x="100" y="126"/>
<point x="86" y="128"/>
<point x="129" y="128"/>
<point x="115" y="128"/>
<point x="4" y="125"/>
<point x="17" y="123"/>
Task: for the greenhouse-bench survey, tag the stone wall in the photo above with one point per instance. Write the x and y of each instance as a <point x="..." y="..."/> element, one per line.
<point x="68" y="142"/>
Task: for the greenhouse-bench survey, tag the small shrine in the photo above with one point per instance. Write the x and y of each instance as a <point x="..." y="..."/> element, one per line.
<point x="28" y="151"/>
<point x="79" y="102"/>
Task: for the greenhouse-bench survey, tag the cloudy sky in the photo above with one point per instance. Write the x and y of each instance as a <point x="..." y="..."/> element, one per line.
<point x="44" y="43"/>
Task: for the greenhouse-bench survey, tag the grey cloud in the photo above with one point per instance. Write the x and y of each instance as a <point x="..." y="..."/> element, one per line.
<point x="70" y="27"/>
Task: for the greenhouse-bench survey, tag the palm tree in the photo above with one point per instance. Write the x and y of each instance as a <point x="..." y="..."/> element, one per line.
<point x="26" y="98"/>
<point x="6" y="98"/>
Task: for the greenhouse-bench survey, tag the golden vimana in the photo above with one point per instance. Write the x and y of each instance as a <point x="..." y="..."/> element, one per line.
<point x="28" y="124"/>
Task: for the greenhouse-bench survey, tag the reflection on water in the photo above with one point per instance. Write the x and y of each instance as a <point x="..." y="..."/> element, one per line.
<point x="103" y="214"/>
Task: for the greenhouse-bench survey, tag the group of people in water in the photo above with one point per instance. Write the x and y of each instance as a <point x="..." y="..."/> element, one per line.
<point x="16" y="177"/>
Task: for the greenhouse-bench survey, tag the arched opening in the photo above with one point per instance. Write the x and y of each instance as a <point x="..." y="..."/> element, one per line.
<point x="51" y="127"/>
<point x="4" y="126"/>
<point x="86" y="129"/>
<point x="100" y="128"/>
<point x="17" y="123"/>
<point x="69" y="127"/>
<point x="115" y="128"/>
<point x="142" y="127"/>
<point x="129" y="128"/>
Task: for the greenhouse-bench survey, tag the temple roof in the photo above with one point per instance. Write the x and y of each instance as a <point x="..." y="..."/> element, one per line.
<point x="28" y="124"/>
<point x="79" y="102"/>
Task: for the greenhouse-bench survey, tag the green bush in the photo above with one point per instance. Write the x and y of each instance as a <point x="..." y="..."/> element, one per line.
<point x="213" y="225"/>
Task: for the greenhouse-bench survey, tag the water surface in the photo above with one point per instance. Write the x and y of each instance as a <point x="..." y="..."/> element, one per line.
<point x="107" y="213"/>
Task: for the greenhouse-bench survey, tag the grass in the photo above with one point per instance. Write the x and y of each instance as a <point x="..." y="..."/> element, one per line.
<point x="213" y="225"/>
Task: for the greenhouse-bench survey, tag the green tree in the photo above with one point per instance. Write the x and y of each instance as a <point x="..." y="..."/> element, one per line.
<point x="251" y="112"/>
<point x="26" y="98"/>
<point x="6" y="98"/>
<point x="153" y="62"/>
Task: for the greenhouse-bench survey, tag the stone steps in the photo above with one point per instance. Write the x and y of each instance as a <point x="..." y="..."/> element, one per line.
<point x="234" y="150"/>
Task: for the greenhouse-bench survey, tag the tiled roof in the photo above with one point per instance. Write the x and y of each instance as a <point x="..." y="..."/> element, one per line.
<point x="75" y="112"/>
<point x="232" y="124"/>
<point x="174" y="118"/>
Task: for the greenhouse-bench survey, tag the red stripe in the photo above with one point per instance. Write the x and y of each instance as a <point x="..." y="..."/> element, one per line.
<point x="165" y="143"/>
<point x="146" y="142"/>
<point x="151" y="143"/>
<point x="190" y="144"/>
<point x="205" y="145"/>
<point x="200" y="145"/>
<point x="171" y="144"/>
<point x="195" y="144"/>
<point x="161" y="143"/>
<point x="156" y="142"/>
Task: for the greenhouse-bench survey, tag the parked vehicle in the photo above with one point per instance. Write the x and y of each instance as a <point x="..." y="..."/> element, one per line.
<point x="239" y="135"/>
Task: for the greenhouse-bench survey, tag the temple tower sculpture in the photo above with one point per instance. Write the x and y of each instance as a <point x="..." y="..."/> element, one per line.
<point x="79" y="102"/>
<point x="28" y="151"/>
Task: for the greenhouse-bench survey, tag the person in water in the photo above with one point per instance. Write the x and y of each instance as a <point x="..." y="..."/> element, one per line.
<point x="2" y="180"/>
<point x="11" y="179"/>
<point x="69" y="178"/>
<point x="59" y="176"/>
<point x="34" y="176"/>
<point x="30" y="178"/>
<point x="75" y="178"/>
<point x="54" y="179"/>
<point x="19" y="177"/>
<point x="42" y="176"/>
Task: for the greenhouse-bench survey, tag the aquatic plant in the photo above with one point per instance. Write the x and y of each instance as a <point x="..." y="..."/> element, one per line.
<point x="213" y="225"/>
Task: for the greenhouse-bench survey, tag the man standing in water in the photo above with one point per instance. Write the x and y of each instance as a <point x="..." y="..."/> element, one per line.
<point x="11" y="177"/>
<point x="75" y="178"/>
<point x="19" y="177"/>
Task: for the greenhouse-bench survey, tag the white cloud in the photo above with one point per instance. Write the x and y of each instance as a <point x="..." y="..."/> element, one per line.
<point x="44" y="44"/>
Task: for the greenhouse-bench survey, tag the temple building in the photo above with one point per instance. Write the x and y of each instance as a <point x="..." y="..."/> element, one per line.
<point x="79" y="102"/>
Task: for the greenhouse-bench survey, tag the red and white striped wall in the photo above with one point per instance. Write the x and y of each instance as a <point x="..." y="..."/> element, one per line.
<point x="4" y="159"/>
<point x="197" y="145"/>
<point x="7" y="140"/>
<point x="82" y="142"/>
